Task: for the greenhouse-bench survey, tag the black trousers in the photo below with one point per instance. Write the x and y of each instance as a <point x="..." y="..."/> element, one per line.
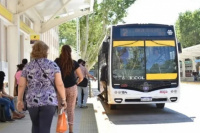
<point x="41" y="118"/>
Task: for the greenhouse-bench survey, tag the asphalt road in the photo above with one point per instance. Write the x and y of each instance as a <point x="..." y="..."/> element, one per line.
<point x="181" y="117"/>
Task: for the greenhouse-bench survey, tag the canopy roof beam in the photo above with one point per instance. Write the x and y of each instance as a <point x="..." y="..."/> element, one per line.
<point x="56" y="13"/>
<point x="63" y="4"/>
<point x="58" y="21"/>
<point x="24" y="5"/>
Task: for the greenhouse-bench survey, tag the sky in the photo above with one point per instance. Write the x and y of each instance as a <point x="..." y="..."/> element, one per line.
<point x="159" y="11"/>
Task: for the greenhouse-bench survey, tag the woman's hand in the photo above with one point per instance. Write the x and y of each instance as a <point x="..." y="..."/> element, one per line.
<point x="64" y="104"/>
<point x="11" y="98"/>
<point x="20" y="106"/>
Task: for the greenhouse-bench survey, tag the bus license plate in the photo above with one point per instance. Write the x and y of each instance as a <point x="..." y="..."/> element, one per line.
<point x="146" y="99"/>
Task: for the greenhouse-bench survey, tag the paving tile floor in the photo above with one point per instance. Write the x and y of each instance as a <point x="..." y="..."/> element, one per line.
<point x="85" y="122"/>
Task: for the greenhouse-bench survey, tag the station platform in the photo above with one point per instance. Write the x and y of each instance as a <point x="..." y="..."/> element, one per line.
<point x="87" y="120"/>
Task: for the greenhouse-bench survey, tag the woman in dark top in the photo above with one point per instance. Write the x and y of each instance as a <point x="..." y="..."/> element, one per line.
<point x="68" y="69"/>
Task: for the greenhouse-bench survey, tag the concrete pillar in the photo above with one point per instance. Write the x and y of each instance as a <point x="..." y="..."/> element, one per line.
<point x="13" y="44"/>
<point x="13" y="48"/>
<point x="183" y="68"/>
<point x="193" y="64"/>
<point x="1" y="41"/>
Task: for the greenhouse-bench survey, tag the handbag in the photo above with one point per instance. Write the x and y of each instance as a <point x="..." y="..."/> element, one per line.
<point x="45" y="75"/>
<point x="2" y="113"/>
<point x="24" y="100"/>
<point x="16" y="91"/>
<point x="62" y="124"/>
<point x="83" y="83"/>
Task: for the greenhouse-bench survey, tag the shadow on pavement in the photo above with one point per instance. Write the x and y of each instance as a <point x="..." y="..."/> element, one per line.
<point x="143" y="114"/>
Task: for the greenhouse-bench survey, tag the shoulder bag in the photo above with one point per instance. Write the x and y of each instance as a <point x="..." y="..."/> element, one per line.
<point x="45" y="75"/>
<point x="83" y="83"/>
<point x="2" y="113"/>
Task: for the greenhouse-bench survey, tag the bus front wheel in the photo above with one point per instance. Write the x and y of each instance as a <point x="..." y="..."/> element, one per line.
<point x="160" y="105"/>
<point x="112" y="107"/>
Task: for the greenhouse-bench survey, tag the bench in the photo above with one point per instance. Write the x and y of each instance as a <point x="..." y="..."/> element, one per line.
<point x="2" y="113"/>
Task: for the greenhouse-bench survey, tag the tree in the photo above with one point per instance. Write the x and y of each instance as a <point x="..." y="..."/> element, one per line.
<point x="94" y="27"/>
<point x="108" y="12"/>
<point x="67" y="33"/>
<point x="188" y="28"/>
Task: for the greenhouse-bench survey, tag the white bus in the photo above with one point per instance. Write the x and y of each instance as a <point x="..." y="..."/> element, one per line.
<point x="142" y="65"/>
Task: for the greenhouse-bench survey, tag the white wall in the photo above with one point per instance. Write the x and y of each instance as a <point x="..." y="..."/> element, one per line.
<point x="52" y="40"/>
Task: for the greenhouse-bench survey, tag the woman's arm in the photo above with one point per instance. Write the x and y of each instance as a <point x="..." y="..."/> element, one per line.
<point x="60" y="87"/>
<point x="79" y="74"/>
<point x="15" y="85"/>
<point x="21" y="89"/>
<point x="89" y="75"/>
<point x="4" y="94"/>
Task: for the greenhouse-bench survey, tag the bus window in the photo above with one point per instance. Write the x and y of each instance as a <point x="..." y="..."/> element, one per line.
<point x="160" y="59"/>
<point x="128" y="62"/>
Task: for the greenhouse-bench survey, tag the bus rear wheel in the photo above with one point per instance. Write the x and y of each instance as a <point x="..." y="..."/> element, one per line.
<point x="160" y="105"/>
<point x="112" y="106"/>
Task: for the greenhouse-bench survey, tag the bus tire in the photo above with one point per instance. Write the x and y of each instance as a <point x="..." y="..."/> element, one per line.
<point x="160" y="105"/>
<point x="112" y="106"/>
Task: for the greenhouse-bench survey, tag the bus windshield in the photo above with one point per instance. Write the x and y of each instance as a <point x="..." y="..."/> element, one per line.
<point x="136" y="62"/>
<point x="160" y="60"/>
<point x="128" y="62"/>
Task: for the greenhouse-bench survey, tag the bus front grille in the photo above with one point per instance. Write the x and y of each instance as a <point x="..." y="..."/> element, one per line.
<point x="153" y="100"/>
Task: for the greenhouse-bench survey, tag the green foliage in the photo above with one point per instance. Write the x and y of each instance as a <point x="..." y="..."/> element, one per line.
<point x="188" y="28"/>
<point x="107" y="13"/>
<point x="67" y="33"/>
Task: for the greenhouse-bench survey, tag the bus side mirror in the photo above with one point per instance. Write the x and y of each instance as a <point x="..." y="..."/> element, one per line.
<point x="105" y="47"/>
<point x="179" y="48"/>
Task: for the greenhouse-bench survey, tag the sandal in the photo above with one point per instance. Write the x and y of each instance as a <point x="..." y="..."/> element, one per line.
<point x="16" y="117"/>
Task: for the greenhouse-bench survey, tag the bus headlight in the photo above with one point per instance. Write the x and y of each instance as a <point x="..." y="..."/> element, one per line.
<point x="118" y="100"/>
<point x="173" y="99"/>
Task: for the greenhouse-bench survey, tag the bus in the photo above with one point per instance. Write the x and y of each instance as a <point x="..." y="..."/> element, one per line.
<point x="138" y="64"/>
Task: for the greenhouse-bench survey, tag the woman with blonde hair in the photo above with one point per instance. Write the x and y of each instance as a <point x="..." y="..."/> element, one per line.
<point x="39" y="76"/>
<point x="69" y="68"/>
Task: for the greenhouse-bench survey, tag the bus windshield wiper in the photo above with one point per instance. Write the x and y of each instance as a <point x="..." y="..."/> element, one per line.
<point x="161" y="43"/>
<point x="128" y="43"/>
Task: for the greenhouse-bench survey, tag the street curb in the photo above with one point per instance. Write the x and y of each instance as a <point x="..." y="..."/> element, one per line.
<point x="103" y="123"/>
<point x="191" y="82"/>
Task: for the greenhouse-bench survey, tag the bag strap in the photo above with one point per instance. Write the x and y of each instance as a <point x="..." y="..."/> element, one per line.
<point x="45" y="74"/>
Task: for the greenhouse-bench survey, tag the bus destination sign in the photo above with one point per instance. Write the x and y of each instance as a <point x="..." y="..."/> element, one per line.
<point x="145" y="32"/>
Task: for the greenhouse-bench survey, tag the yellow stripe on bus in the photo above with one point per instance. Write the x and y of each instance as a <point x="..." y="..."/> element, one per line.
<point x="160" y="43"/>
<point x="128" y="43"/>
<point x="161" y="76"/>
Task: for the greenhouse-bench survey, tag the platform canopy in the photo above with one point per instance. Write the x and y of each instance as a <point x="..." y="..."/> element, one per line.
<point x="190" y="52"/>
<point x="56" y="12"/>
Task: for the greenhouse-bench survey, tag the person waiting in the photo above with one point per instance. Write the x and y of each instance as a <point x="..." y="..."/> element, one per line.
<point x="24" y="61"/>
<point x="8" y="102"/>
<point x="84" y="86"/>
<point x="17" y="77"/>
